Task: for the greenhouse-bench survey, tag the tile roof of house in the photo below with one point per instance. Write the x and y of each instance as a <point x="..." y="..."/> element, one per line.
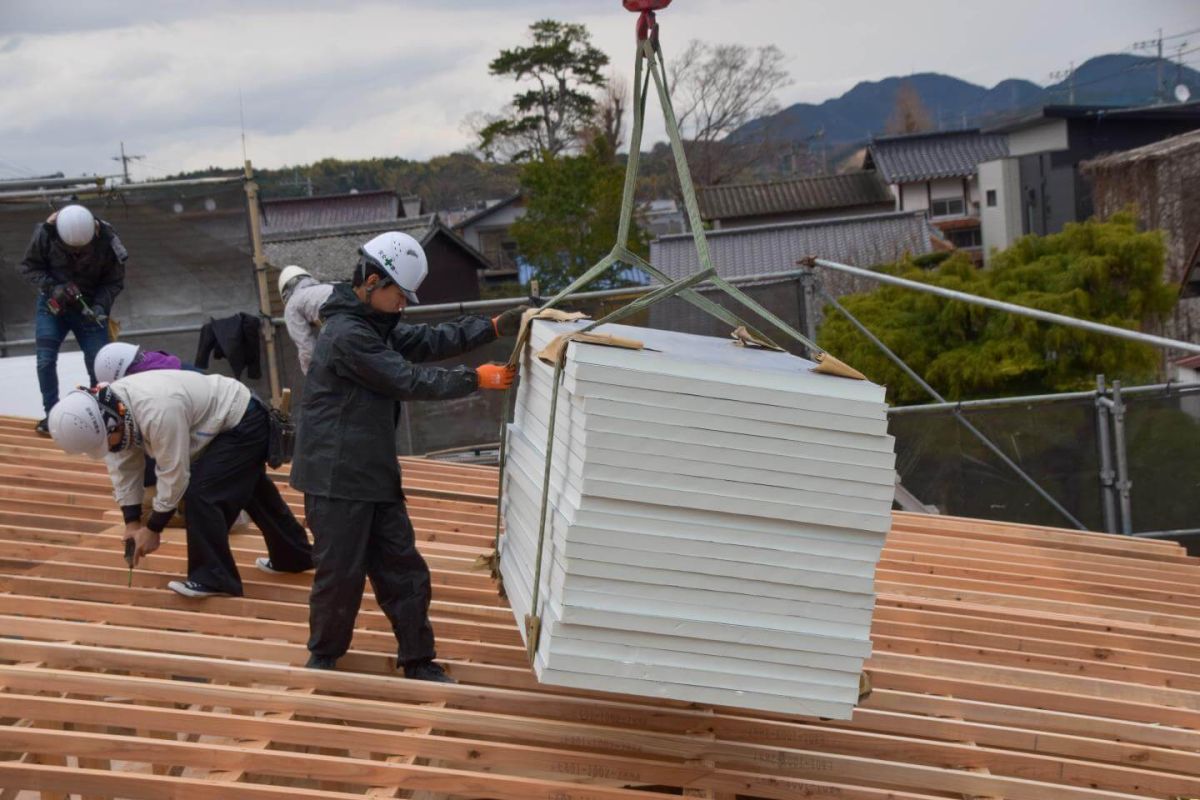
<point x="330" y="254"/>
<point x="1167" y="148"/>
<point x="863" y="240"/>
<point x="833" y="192"/>
<point x="296" y="214"/>
<point x="1009" y="661"/>
<point x="480" y="216"/>
<point x="925" y="156"/>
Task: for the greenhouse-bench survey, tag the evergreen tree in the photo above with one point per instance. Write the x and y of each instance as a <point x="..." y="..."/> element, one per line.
<point x="1107" y="272"/>
<point x="544" y="120"/>
<point x="573" y="207"/>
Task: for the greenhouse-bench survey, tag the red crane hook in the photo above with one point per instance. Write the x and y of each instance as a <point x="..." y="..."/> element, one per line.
<point x="646" y="24"/>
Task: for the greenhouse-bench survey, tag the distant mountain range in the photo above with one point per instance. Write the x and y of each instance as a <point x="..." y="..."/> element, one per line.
<point x="953" y="103"/>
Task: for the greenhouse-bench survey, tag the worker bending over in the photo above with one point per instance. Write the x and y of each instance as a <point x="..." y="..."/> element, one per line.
<point x="208" y="436"/>
<point x="118" y="359"/>
<point x="303" y="296"/>
<point x="345" y="462"/>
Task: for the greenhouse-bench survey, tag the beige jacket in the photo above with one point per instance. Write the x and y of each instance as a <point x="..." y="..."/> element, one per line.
<point x="178" y="414"/>
<point x="302" y="315"/>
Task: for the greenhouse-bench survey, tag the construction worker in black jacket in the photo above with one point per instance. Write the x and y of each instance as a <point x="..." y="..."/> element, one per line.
<point x="77" y="264"/>
<point x="345" y="459"/>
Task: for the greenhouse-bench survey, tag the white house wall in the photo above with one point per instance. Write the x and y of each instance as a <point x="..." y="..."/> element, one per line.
<point x="946" y="188"/>
<point x="914" y="197"/>
<point x="1047" y="136"/>
<point x="500" y="219"/>
<point x="1001" y="223"/>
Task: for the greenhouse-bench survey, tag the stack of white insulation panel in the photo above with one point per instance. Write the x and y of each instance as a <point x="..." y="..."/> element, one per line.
<point x="715" y="515"/>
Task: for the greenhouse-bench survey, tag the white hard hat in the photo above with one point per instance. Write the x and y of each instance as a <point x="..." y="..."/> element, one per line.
<point x="113" y="360"/>
<point x="77" y="425"/>
<point x="76" y="226"/>
<point x="289" y="274"/>
<point x="401" y="257"/>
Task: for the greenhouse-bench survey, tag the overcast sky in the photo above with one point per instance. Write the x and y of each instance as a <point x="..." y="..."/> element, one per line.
<point x="359" y="79"/>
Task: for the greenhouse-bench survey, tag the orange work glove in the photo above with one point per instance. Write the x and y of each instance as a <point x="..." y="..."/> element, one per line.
<point x="495" y="376"/>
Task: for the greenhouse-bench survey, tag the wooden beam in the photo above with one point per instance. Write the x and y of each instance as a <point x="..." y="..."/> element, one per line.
<point x="818" y="743"/>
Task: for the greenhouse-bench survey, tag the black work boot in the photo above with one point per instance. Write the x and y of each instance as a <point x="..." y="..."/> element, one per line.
<point x="316" y="661"/>
<point x="427" y="670"/>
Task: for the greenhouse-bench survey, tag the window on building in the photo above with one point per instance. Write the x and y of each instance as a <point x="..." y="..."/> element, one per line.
<point x="991" y="198"/>
<point x="951" y="207"/>
<point x="971" y="237"/>
<point x="498" y="248"/>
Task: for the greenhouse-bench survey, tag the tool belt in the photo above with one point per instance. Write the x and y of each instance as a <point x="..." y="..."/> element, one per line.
<point x="281" y="431"/>
<point x="281" y="441"/>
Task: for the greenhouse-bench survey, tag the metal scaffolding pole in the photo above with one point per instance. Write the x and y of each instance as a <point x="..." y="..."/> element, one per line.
<point x="808" y="303"/>
<point x="1166" y="389"/>
<point x="1124" y="484"/>
<point x="1107" y="491"/>
<point x="978" y="434"/>
<point x="1012" y="308"/>
<point x="99" y="187"/>
<point x="467" y="306"/>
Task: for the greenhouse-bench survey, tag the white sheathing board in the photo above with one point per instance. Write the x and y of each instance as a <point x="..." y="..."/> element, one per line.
<point x="714" y="518"/>
<point x="18" y="375"/>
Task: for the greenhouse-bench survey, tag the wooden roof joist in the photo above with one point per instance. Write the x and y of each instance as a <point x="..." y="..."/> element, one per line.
<point x="1010" y="661"/>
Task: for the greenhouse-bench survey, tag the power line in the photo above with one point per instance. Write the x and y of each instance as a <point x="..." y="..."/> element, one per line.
<point x="1143" y="65"/>
<point x="16" y="168"/>
<point x="1180" y="35"/>
<point x="1068" y="75"/>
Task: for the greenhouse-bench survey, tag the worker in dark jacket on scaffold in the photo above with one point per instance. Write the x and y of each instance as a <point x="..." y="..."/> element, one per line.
<point x="346" y="461"/>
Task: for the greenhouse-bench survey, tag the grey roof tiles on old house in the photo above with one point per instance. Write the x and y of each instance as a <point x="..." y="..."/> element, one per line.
<point x="293" y="214"/>
<point x="331" y="253"/>
<point x="863" y="240"/>
<point x="795" y="195"/>
<point x="925" y="156"/>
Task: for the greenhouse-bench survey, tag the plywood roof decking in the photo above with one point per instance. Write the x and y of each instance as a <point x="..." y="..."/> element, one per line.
<point x="1011" y="661"/>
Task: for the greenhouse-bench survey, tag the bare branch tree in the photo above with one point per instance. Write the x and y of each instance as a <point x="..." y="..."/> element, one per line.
<point x="606" y="131"/>
<point x="717" y="89"/>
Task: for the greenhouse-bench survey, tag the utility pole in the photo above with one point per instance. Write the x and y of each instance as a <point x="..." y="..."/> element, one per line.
<point x="260" y="276"/>
<point x="1160" y="90"/>
<point x="1069" y="75"/>
<point x="1179" y="65"/>
<point x="124" y="159"/>
<point x="1161" y="93"/>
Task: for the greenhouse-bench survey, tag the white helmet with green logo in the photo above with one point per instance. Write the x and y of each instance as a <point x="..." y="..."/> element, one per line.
<point x="401" y="258"/>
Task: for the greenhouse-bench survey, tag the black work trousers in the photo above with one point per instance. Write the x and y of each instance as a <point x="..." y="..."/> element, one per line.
<point x="355" y="539"/>
<point x="228" y="476"/>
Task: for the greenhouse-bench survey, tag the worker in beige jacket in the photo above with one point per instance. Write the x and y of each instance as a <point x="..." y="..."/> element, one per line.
<point x="208" y="436"/>
<point x="303" y="295"/>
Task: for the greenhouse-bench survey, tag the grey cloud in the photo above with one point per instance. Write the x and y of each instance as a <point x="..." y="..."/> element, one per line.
<point x="40" y="17"/>
<point x="281" y="107"/>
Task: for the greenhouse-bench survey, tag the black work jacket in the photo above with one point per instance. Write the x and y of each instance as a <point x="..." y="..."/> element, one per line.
<point x="237" y="338"/>
<point x="98" y="270"/>
<point x="362" y="366"/>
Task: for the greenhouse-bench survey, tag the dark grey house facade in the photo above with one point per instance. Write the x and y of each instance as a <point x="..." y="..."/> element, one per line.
<point x="1039" y="187"/>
